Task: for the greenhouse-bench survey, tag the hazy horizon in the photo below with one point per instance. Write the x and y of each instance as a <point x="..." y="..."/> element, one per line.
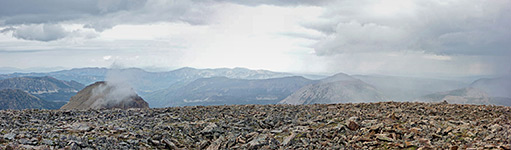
<point x="311" y="76"/>
<point x="397" y="38"/>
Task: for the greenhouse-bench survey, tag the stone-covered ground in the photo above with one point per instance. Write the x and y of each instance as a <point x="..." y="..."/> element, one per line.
<point x="391" y="125"/>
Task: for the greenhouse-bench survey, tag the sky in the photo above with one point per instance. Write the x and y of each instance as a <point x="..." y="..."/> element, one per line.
<point x="398" y="37"/>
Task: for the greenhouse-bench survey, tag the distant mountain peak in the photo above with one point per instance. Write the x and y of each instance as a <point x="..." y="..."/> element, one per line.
<point x="19" y="99"/>
<point x="44" y="87"/>
<point x="184" y="69"/>
<point x="338" y="77"/>
<point x="496" y="87"/>
<point x="468" y="95"/>
<point x="339" y="88"/>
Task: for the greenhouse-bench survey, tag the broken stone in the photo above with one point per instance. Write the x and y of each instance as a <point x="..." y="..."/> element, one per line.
<point x="384" y="137"/>
<point x="9" y="136"/>
<point x="289" y="139"/>
<point x="417" y="125"/>
<point x="352" y="125"/>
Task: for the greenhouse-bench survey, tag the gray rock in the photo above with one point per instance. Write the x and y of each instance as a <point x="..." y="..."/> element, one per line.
<point x="169" y="144"/>
<point x="414" y="125"/>
<point x="289" y="139"/>
<point x="352" y="125"/>
<point x="79" y="127"/>
<point x="47" y="142"/>
<point x="9" y="136"/>
<point x="384" y="137"/>
<point x="259" y="141"/>
<point x="216" y="144"/>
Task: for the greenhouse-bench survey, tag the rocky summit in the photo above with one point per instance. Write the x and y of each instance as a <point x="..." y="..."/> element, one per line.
<point x="383" y="125"/>
<point x="106" y="95"/>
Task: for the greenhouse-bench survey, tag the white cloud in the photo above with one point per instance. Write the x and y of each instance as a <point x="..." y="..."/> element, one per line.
<point x="107" y="58"/>
<point x="47" y="32"/>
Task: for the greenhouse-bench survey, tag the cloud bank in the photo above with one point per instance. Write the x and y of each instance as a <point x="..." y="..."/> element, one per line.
<point x="462" y="37"/>
<point x="448" y="28"/>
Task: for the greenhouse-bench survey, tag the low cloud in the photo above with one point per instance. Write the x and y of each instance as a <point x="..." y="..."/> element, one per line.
<point x="40" y="32"/>
<point x="117" y="88"/>
<point x="46" y="32"/>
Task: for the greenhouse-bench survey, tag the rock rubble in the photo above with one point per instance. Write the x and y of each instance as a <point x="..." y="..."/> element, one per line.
<point x="384" y="125"/>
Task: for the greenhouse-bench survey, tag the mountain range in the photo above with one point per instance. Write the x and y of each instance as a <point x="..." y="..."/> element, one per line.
<point x="47" y="88"/>
<point x="145" y="82"/>
<point x="496" y="87"/>
<point x="460" y="96"/>
<point x="223" y="90"/>
<point x="190" y="86"/>
<point x="494" y="91"/>
<point x="469" y="95"/>
<point x="19" y="99"/>
<point x="398" y="88"/>
<point x="339" y="88"/>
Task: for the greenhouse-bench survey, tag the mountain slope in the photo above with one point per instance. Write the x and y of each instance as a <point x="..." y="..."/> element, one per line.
<point x="19" y="99"/>
<point x="469" y="95"/>
<point x="47" y="88"/>
<point x="496" y="87"/>
<point x="504" y="101"/>
<point x="486" y="91"/>
<point x="223" y="90"/>
<point x="104" y="95"/>
<point x="406" y="88"/>
<point x="340" y="88"/>
<point x="338" y="77"/>
<point x="459" y="96"/>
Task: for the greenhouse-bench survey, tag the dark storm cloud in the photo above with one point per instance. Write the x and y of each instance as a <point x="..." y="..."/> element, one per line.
<point x="279" y="2"/>
<point x="41" y="20"/>
<point x="49" y="11"/>
<point x="366" y="36"/>
<point x="100" y="14"/>
<point x="154" y="11"/>
<point x="104" y="14"/>
<point x="446" y="28"/>
<point x="470" y="27"/>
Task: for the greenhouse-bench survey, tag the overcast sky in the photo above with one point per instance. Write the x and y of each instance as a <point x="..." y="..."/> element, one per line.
<point x="397" y="37"/>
